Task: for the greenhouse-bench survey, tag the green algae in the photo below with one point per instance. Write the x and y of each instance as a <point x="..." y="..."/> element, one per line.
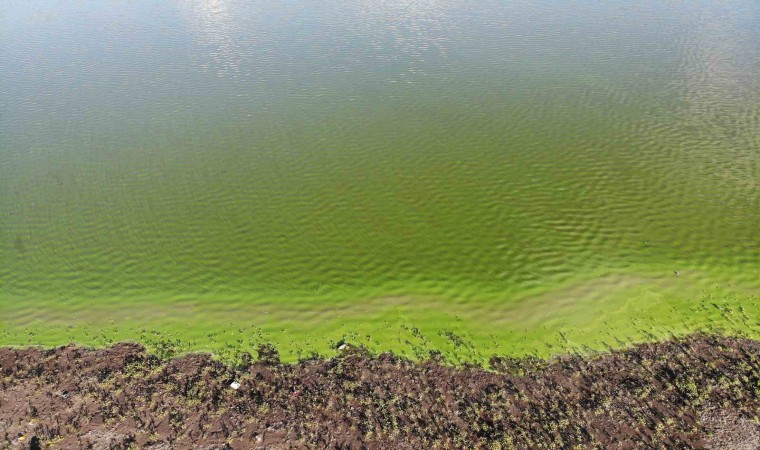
<point x="448" y="177"/>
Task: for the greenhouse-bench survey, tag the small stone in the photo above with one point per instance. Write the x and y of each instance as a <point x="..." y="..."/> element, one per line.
<point x="235" y="385"/>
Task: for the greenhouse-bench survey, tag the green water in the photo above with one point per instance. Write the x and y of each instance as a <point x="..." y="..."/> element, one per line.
<point x="532" y="176"/>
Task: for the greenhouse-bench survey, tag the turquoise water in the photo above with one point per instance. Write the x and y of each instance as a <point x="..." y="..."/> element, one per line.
<point x="509" y="170"/>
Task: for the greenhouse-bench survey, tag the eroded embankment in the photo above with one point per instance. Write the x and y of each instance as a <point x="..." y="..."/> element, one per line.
<point x="697" y="392"/>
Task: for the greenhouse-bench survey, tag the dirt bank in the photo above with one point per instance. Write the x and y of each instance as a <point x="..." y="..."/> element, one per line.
<point x="698" y="392"/>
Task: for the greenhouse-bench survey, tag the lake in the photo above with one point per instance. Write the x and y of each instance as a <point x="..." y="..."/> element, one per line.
<point x="473" y="177"/>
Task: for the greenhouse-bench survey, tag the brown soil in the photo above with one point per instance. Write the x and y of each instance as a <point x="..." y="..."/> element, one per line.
<point x="698" y="392"/>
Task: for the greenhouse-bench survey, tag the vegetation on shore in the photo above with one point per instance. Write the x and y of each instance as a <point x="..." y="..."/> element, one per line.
<point x="700" y="391"/>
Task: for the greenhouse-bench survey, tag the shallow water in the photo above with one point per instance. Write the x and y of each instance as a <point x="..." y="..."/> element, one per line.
<point x="314" y="169"/>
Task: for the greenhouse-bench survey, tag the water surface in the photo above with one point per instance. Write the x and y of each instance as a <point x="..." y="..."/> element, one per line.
<point x="313" y="169"/>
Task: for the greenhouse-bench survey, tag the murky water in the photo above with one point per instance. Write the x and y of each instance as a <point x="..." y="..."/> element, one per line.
<point x="285" y="157"/>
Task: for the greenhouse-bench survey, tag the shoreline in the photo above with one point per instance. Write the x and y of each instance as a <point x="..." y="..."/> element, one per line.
<point x="700" y="391"/>
<point x="593" y="314"/>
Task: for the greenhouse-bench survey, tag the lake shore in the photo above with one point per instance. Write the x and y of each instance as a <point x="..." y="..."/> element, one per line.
<point x="700" y="391"/>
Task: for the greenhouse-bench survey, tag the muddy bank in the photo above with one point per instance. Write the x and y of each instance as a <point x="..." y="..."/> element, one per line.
<point x="698" y="392"/>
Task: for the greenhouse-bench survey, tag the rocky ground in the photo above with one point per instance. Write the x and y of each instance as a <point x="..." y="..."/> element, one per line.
<point x="697" y="392"/>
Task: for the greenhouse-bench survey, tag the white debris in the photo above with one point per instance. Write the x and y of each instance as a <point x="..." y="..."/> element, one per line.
<point x="343" y="347"/>
<point x="235" y="385"/>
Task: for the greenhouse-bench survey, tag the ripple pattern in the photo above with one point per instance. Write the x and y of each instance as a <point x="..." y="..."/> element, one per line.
<point x="229" y="148"/>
